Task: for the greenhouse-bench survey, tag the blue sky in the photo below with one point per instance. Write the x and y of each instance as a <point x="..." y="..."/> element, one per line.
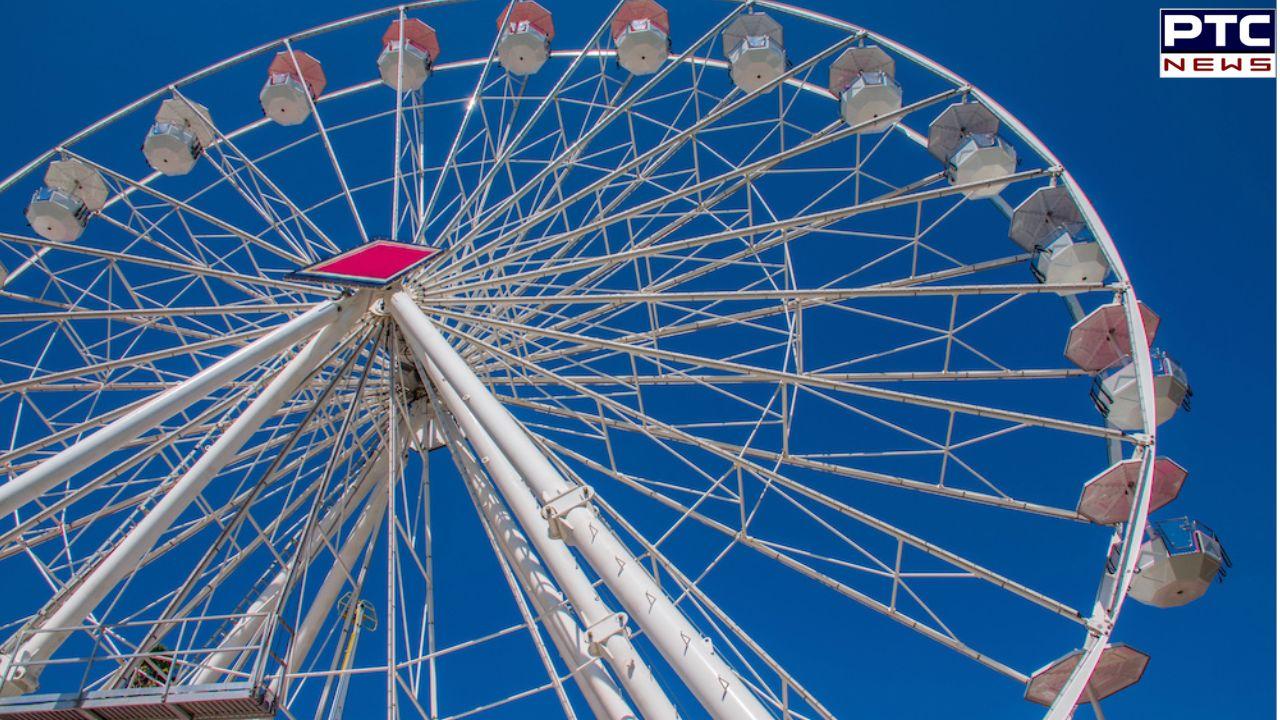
<point x="1182" y="171"/>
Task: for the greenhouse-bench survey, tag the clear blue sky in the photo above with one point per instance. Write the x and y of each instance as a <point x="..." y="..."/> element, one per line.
<point x="1182" y="171"/>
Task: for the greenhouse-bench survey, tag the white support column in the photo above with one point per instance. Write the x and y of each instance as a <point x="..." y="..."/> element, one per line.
<point x="571" y="642"/>
<point x="689" y="653"/>
<point x="49" y="473"/>
<point x="616" y="647"/>
<point x="40" y="645"/>
<point x="245" y="629"/>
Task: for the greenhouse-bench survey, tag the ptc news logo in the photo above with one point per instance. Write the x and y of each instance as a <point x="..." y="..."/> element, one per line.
<point x="1218" y="42"/>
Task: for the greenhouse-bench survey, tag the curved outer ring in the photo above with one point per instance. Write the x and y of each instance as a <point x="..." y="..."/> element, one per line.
<point x="1106" y="610"/>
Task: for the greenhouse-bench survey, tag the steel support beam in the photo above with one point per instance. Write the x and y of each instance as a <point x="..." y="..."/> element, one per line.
<point x="716" y="686"/>
<point x="20" y="670"/>
<point x="573" y="645"/>
<point x="617" y="648"/>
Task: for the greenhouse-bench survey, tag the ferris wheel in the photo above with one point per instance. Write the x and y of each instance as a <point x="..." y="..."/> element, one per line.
<point x="621" y="372"/>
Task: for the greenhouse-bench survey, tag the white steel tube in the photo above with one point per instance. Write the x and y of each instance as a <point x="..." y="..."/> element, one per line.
<point x="689" y="653"/>
<point x="40" y="645"/>
<point x="49" y="473"/>
<point x="602" y="694"/>
<point x="632" y="670"/>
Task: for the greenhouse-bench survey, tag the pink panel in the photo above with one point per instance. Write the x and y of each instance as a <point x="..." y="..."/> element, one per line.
<point x="416" y="33"/>
<point x="532" y="13"/>
<point x="640" y="10"/>
<point x="312" y="74"/>
<point x="1119" y="667"/>
<point x="1101" y="338"/>
<point x="1107" y="498"/>
<point x="377" y="263"/>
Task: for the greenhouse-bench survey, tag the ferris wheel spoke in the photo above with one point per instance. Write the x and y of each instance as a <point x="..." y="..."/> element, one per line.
<point x="508" y="149"/>
<point x="397" y="157"/>
<point x="764" y="548"/>
<point x="809" y="297"/>
<point x="602" y="273"/>
<point x="319" y="414"/>
<point x="242" y="235"/>
<point x="563" y="169"/>
<point x="69" y="329"/>
<point x="328" y="147"/>
<point x="130" y="361"/>
<point x="871" y="391"/>
<point x="793" y="228"/>
<point x="765" y="474"/>
<point x="198" y="244"/>
<point x="471" y="202"/>
<point x="344" y="568"/>
<point x="746" y="318"/>
<point x="890" y="609"/>
<point x="706" y="602"/>
<point x="261" y="202"/>
<point x="689" y="588"/>
<point x="197" y="427"/>
<point x="73" y="315"/>
<point x="685" y="378"/>
<point x="678" y="328"/>
<point x="268" y="340"/>
<point x="705" y="206"/>
<point x="789" y="459"/>
<point x="237" y="464"/>
<point x="311" y="538"/>
<point x="450" y="165"/>
<point x="166" y="243"/>
<point x="231" y="276"/>
<point x="574" y="150"/>
<point x="38" y="646"/>
<point x="182" y="604"/>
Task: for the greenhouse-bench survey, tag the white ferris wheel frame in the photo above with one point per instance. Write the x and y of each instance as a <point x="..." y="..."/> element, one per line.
<point x="458" y="384"/>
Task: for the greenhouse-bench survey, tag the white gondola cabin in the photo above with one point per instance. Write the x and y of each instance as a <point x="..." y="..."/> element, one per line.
<point x="179" y="136"/>
<point x="294" y="81"/>
<point x="525" y="41"/>
<point x="964" y="139"/>
<point x="642" y="35"/>
<point x="408" y="54"/>
<point x="72" y="192"/>
<point x="753" y="46"/>
<point x="863" y="79"/>
<point x="1116" y="392"/>
<point x="1180" y="560"/>
<point x="1049" y="224"/>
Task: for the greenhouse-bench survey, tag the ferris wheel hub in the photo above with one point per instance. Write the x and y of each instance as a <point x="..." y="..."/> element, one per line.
<point x="379" y="263"/>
